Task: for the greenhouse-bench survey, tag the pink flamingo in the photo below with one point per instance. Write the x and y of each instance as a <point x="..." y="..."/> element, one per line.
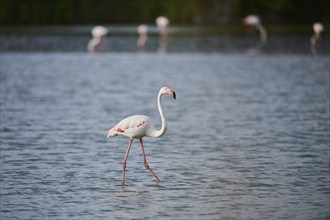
<point x="143" y="36"/>
<point x="255" y="21"/>
<point x="99" y="41"/>
<point x="316" y="37"/>
<point x="139" y="126"/>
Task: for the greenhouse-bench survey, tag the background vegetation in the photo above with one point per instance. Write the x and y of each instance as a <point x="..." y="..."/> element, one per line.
<point x="197" y="12"/>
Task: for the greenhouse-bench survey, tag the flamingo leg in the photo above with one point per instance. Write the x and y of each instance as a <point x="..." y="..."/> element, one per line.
<point x="125" y="159"/>
<point x="145" y="162"/>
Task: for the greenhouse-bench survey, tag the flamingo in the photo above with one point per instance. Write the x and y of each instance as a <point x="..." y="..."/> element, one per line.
<point x="143" y="35"/>
<point x="316" y="37"/>
<point x="162" y="23"/>
<point x="99" y="42"/>
<point x="139" y="126"/>
<point x="255" y="21"/>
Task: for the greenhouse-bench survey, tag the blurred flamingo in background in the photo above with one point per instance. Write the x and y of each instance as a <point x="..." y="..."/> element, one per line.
<point x="143" y="36"/>
<point x="162" y="23"/>
<point x="99" y="42"/>
<point x="139" y="126"/>
<point x="255" y="21"/>
<point x="316" y="37"/>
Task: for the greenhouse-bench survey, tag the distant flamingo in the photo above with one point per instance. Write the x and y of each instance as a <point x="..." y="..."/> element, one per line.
<point x="139" y="126"/>
<point x="162" y="24"/>
<point x="255" y="21"/>
<point x="316" y="37"/>
<point x="99" y="41"/>
<point x="143" y="36"/>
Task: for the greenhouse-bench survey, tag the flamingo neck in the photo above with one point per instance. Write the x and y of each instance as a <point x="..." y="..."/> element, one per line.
<point x="263" y="33"/>
<point x="161" y="132"/>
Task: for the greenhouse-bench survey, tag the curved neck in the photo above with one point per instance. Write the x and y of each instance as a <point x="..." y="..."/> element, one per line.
<point x="263" y="33"/>
<point x="161" y="132"/>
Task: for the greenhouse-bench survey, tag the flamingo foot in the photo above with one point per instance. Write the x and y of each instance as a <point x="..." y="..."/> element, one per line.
<point x="147" y="166"/>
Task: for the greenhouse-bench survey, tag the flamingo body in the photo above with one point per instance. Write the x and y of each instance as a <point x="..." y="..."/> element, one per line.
<point x="139" y="126"/>
<point x="136" y="126"/>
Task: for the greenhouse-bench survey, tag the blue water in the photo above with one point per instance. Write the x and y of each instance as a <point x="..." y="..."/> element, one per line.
<point x="247" y="137"/>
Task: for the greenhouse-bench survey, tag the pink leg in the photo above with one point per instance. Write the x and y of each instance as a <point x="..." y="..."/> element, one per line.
<point x="145" y="162"/>
<point x="125" y="159"/>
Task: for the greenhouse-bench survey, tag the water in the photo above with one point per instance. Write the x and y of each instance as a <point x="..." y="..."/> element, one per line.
<point x="247" y="138"/>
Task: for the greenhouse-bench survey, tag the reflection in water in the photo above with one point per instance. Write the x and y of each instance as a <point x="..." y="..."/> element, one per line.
<point x="162" y="23"/>
<point x="99" y="41"/>
<point x="143" y="36"/>
<point x="316" y="38"/>
<point x="255" y="22"/>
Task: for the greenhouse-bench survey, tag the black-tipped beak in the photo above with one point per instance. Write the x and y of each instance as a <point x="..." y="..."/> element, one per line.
<point x="174" y="96"/>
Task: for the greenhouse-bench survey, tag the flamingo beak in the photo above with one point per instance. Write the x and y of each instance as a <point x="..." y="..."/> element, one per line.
<point x="172" y="93"/>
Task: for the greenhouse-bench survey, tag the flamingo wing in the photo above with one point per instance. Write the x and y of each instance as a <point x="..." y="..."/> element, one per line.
<point x="133" y="126"/>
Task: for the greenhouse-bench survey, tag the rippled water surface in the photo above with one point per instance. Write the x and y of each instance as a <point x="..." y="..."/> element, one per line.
<point x="247" y="138"/>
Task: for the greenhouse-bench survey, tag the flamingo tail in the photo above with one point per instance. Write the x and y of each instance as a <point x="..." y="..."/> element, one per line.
<point x="114" y="132"/>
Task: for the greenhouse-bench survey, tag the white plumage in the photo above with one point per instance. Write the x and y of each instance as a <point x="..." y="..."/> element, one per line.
<point x="136" y="126"/>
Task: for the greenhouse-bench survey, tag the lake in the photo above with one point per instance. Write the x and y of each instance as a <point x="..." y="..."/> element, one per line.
<point x="247" y="137"/>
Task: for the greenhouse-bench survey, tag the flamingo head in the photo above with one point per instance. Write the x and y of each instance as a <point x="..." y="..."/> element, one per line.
<point x="169" y="91"/>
